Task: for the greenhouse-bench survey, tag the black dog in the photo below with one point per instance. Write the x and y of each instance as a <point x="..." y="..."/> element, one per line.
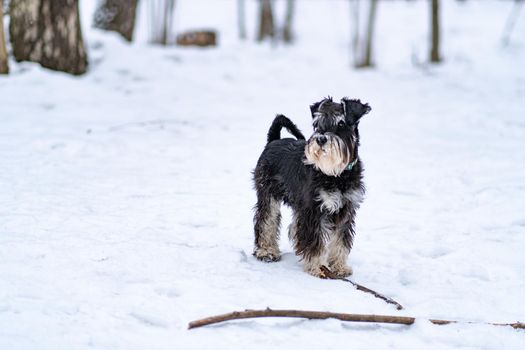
<point x="320" y="179"/>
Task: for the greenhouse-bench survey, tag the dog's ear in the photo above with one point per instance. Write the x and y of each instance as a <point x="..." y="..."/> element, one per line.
<point x="354" y="109"/>
<point x="315" y="108"/>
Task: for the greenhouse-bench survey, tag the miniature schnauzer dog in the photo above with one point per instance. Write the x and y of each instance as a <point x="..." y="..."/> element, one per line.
<point x="320" y="179"/>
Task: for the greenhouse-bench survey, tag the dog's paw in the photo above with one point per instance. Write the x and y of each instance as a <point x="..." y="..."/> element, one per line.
<point x="316" y="272"/>
<point x="341" y="270"/>
<point x="267" y="255"/>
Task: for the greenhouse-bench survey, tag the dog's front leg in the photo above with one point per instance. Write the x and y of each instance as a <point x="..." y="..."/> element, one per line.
<point x="339" y="248"/>
<point x="310" y="237"/>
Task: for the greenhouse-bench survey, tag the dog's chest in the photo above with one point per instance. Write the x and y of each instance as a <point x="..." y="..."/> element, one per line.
<point x="332" y="201"/>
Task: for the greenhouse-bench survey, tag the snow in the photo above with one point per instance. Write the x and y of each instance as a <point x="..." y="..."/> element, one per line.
<point x="126" y="195"/>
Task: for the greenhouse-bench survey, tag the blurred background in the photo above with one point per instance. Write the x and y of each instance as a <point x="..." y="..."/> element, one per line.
<point x="51" y="32"/>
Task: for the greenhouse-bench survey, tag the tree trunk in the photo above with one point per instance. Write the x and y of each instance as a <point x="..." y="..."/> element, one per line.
<point x="266" y="25"/>
<point x="370" y="33"/>
<point x="287" y="30"/>
<point x="434" y="51"/>
<point x="241" y="18"/>
<point x="161" y="21"/>
<point x="364" y="59"/>
<point x="354" y="8"/>
<point x="117" y="16"/>
<point x="48" y="32"/>
<point x="4" y="67"/>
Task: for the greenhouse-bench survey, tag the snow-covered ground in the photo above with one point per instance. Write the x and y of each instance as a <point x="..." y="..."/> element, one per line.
<point x="126" y="197"/>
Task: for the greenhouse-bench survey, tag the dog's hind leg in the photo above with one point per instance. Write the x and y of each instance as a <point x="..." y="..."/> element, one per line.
<point x="267" y="222"/>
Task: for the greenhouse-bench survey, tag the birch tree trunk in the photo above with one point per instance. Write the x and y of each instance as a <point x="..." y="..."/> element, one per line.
<point x="434" y="51"/>
<point x="4" y="67"/>
<point x="48" y="32"/>
<point x="117" y="16"/>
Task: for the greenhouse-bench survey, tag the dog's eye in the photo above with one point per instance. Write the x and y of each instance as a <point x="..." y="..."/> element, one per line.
<point x="341" y="124"/>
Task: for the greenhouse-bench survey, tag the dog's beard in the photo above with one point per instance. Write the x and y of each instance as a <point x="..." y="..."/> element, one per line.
<point x="332" y="158"/>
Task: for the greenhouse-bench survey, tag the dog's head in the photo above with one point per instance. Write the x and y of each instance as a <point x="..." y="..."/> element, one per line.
<point x="333" y="145"/>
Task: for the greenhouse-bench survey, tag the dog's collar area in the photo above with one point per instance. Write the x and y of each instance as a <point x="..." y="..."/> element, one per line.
<point x="351" y="165"/>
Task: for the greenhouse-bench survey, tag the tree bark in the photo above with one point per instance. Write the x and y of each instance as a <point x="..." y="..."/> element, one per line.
<point x="4" y="67"/>
<point x="118" y="16"/>
<point x="434" y="51"/>
<point x="322" y="315"/>
<point x="48" y="32"/>
<point x="266" y="23"/>
<point x="200" y="38"/>
<point x="287" y="29"/>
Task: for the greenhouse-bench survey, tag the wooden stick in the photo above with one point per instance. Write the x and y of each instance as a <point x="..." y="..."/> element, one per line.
<point x="321" y="315"/>
<point x="389" y="300"/>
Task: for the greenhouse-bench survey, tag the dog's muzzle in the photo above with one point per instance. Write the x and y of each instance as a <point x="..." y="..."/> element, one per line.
<point x="327" y="153"/>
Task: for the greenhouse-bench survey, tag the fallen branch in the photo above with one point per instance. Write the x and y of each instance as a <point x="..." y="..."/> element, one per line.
<point x="321" y="315"/>
<point x="389" y="300"/>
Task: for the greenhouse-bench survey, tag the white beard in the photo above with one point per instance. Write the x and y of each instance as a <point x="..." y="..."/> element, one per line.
<point x="332" y="158"/>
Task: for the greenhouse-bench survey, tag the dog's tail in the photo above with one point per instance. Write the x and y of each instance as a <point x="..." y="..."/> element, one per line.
<point x="275" y="130"/>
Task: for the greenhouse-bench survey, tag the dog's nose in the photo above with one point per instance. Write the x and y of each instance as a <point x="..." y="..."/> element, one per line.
<point x="321" y="140"/>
